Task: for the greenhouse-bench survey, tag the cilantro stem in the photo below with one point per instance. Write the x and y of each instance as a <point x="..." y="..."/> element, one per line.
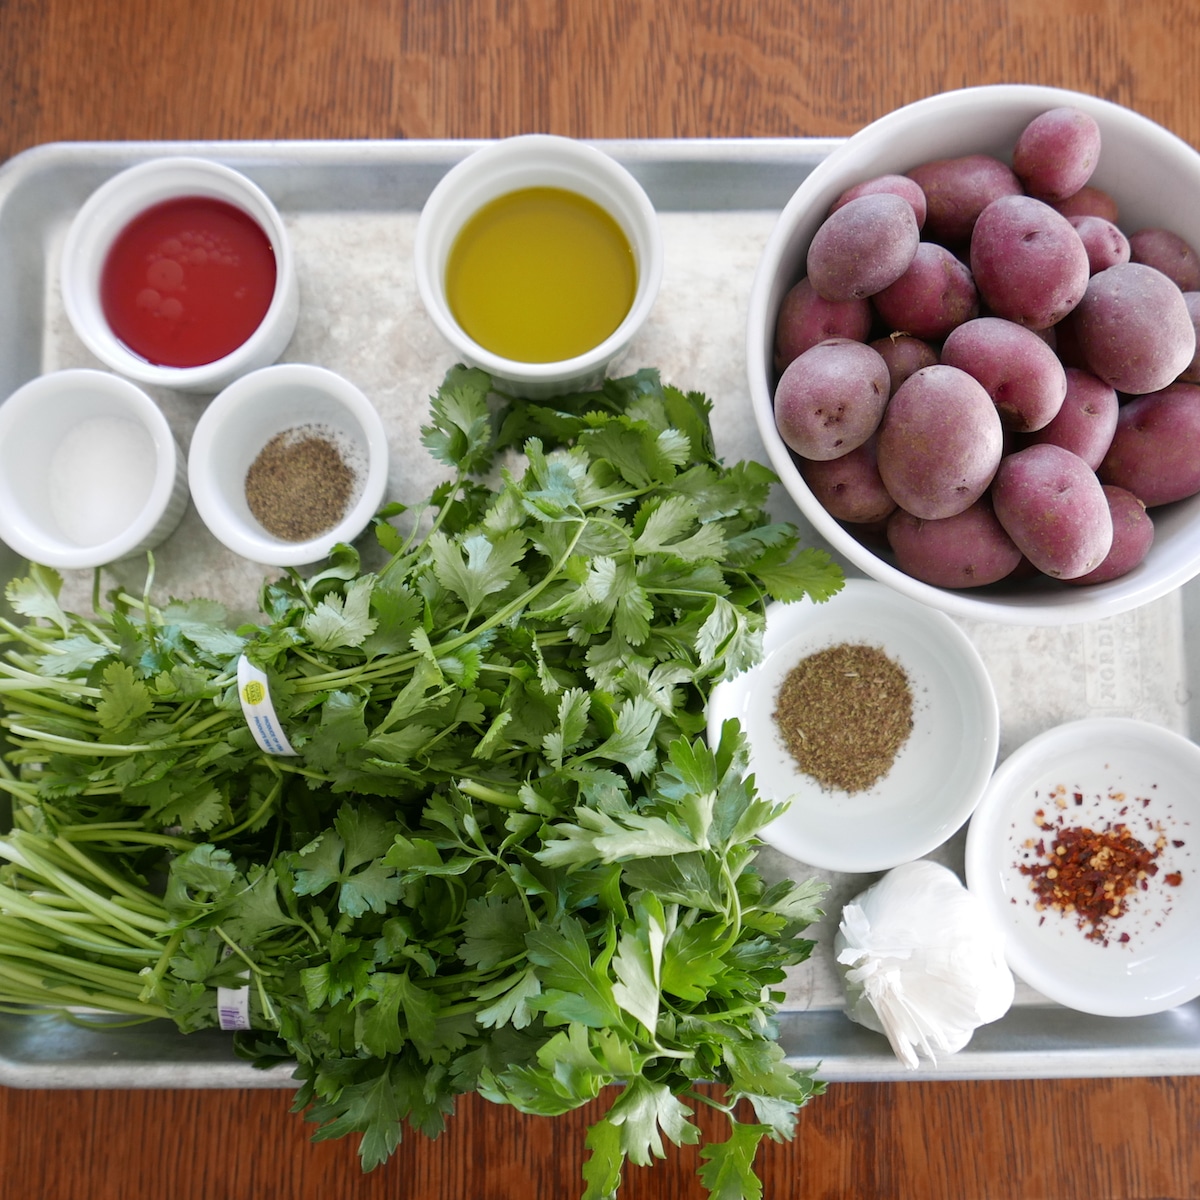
<point x="29" y="681"/>
<point x="38" y="739"/>
<point x="129" y="832"/>
<point x="41" y="993"/>
<point x="30" y="703"/>
<point x="395" y="663"/>
<point x="154" y="975"/>
<point x="17" y="903"/>
<point x="132" y="895"/>
<point x="265" y="807"/>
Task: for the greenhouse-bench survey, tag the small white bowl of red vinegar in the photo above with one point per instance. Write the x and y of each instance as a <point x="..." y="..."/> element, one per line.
<point x="178" y="273"/>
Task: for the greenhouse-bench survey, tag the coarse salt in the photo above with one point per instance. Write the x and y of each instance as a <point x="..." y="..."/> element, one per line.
<point x="100" y="475"/>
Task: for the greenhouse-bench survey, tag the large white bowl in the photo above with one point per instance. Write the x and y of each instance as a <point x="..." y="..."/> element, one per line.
<point x="1155" y="178"/>
<point x="939" y="773"/>
<point x="1114" y="770"/>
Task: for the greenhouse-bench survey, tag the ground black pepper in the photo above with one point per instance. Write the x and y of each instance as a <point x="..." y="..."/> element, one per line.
<point x="844" y="713"/>
<point x="299" y="485"/>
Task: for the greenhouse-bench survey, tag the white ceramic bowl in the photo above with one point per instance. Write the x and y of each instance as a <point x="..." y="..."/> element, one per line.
<point x="1153" y="175"/>
<point x="90" y="472"/>
<point x="1152" y="772"/>
<point x="110" y="209"/>
<point x="938" y="775"/>
<point x="537" y="160"/>
<point x="238" y="424"/>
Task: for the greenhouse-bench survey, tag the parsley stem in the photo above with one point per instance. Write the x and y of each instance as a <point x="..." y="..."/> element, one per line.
<point x="487" y="794"/>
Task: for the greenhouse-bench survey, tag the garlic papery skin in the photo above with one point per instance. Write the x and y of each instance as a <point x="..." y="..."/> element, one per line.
<point x="922" y="962"/>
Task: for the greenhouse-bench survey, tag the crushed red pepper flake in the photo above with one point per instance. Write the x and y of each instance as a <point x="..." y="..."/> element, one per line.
<point x="1090" y="874"/>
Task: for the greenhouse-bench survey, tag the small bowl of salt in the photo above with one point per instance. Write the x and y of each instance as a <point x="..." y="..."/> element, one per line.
<point x="90" y="472"/>
<point x="287" y="462"/>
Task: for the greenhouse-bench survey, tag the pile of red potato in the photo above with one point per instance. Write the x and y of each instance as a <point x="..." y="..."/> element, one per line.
<point x="980" y="363"/>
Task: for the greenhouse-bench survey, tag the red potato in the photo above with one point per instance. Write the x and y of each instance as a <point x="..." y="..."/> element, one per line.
<point x="1086" y="421"/>
<point x="849" y="487"/>
<point x="957" y="190"/>
<point x="1057" y="152"/>
<point x="939" y="442"/>
<point x="1029" y="264"/>
<point x="1155" y="451"/>
<point x="1105" y="244"/>
<point x="1089" y="201"/>
<point x="1190" y="373"/>
<point x="1016" y="367"/>
<point x="830" y="398"/>
<point x="904" y="355"/>
<point x="1169" y="253"/>
<point x="1052" y="506"/>
<point x="1066" y="343"/>
<point x="1133" y="328"/>
<point x="806" y="318"/>
<point x="932" y="297"/>
<point x="897" y="185"/>
<point x="1133" y="535"/>
<point x="862" y="247"/>
<point x="970" y="549"/>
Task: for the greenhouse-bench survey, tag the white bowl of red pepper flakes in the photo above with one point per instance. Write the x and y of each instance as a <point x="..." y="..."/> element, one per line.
<point x="1085" y="847"/>
<point x="874" y="717"/>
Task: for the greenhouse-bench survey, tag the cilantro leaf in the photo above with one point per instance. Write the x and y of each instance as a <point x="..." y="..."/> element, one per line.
<point x="459" y="432"/>
<point x="125" y="698"/>
<point x="343" y="620"/>
<point x="479" y="567"/>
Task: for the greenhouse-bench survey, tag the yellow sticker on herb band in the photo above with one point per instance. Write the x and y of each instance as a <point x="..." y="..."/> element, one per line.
<point x="255" y="694"/>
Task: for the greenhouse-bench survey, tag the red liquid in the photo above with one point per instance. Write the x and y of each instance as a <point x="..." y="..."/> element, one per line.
<point x="187" y="281"/>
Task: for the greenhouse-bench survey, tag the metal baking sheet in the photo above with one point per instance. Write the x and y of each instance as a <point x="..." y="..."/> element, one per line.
<point x="351" y="210"/>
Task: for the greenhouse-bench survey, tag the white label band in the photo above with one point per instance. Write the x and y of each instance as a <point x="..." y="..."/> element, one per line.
<point x="255" y="695"/>
<point x="233" y="1008"/>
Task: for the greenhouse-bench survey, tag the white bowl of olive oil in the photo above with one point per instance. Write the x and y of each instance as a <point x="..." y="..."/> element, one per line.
<point x="539" y="258"/>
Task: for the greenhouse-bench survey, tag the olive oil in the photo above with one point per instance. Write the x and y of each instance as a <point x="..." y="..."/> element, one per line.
<point x="540" y="275"/>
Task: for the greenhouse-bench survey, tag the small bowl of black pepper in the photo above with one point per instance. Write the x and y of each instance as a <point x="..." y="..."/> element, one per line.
<point x="873" y="718"/>
<point x="286" y="463"/>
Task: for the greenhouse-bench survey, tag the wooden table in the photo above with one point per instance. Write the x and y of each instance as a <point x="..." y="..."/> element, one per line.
<point x="149" y="69"/>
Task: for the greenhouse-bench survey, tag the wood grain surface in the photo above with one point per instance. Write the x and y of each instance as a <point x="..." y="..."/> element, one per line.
<point x="164" y="69"/>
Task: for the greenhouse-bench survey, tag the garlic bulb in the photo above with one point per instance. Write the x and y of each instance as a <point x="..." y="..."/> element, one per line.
<point x="922" y="961"/>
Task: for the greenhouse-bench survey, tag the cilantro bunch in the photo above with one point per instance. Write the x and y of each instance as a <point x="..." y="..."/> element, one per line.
<point x="503" y="858"/>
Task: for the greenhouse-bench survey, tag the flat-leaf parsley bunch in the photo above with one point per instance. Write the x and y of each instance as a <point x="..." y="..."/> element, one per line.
<point x="503" y="858"/>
